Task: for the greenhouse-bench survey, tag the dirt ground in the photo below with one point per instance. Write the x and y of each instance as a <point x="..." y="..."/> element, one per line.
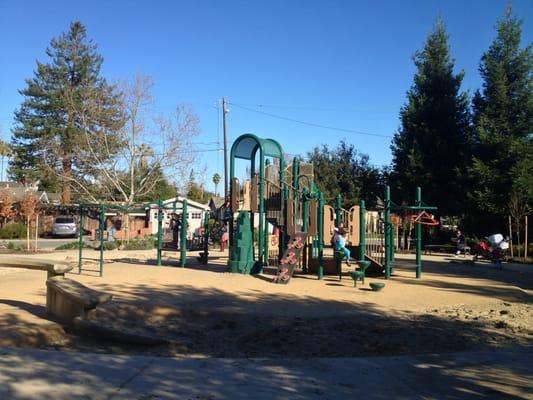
<point x="204" y="311"/>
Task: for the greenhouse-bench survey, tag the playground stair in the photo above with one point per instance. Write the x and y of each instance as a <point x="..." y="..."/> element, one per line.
<point x="375" y="266"/>
<point x="290" y="258"/>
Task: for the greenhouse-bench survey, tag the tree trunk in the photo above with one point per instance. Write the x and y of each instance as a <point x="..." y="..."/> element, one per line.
<point x="511" y="236"/>
<point x="36" y="230"/>
<point x="518" y="237"/>
<point x="127" y="226"/>
<point x="28" y="234"/>
<point x="66" y="194"/>
<point x="409" y="235"/>
<point x="526" y="244"/>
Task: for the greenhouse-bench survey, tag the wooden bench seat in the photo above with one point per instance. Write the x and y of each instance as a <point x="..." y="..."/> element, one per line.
<point x="54" y="268"/>
<point x="67" y="299"/>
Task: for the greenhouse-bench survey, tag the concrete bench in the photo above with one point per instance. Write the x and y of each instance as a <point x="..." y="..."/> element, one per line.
<point x="54" y="268"/>
<point x="67" y="299"/>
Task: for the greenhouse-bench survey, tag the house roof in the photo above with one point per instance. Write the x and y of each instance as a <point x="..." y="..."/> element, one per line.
<point x="18" y="191"/>
<point x="216" y="202"/>
<point x="179" y="199"/>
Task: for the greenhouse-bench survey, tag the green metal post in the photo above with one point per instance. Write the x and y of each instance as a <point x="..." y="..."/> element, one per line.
<point x="295" y="172"/>
<point x="231" y="176"/>
<point x="261" y="238"/>
<point x="320" y="270"/>
<point x="338" y="220"/>
<point x="362" y="230"/>
<point x="159" y="231"/>
<point x="387" y="232"/>
<point x="80" y="255"/>
<point x="252" y="215"/>
<point x="183" y="238"/>
<point x="393" y="244"/>
<point x="265" y="236"/>
<point x="418" y="203"/>
<point x="102" y="229"/>
<point x="305" y="227"/>
<point x="338" y="210"/>
<point x="296" y="187"/>
<point x="284" y="239"/>
<point x="266" y="244"/>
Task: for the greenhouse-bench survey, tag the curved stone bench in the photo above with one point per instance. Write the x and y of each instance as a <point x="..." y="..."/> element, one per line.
<point x="67" y="299"/>
<point x="54" y="268"/>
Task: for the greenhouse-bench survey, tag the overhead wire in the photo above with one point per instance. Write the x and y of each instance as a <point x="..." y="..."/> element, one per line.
<point x="310" y="108"/>
<point x="322" y="126"/>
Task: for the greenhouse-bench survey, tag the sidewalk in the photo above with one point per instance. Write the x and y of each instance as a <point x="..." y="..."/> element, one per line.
<point x="37" y="374"/>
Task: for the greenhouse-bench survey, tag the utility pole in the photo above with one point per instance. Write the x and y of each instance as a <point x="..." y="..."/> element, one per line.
<point x="224" y="112"/>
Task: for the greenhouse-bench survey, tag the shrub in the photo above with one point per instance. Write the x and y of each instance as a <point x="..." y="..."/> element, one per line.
<point x="13" y="231"/>
<point x="71" y="246"/>
<point x="110" y="245"/>
<point x="15" y="246"/>
<point x="214" y="231"/>
<point x="147" y="243"/>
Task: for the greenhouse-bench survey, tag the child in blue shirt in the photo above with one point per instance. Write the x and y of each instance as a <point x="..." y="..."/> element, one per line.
<point x="340" y="245"/>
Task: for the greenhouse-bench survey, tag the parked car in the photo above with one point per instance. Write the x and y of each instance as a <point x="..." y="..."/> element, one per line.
<point x="65" y="225"/>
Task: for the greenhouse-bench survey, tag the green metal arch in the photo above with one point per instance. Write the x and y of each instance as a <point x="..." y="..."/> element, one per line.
<point x="245" y="146"/>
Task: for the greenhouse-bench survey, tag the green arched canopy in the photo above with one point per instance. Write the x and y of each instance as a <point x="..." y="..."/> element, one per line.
<point x="245" y="147"/>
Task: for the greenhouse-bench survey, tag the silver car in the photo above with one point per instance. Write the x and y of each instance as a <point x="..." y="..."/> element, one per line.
<point x="65" y="225"/>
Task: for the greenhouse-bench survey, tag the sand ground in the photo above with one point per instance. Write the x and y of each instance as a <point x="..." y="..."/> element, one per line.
<point x="202" y="310"/>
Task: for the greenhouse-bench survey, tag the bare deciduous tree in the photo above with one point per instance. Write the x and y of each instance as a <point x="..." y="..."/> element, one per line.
<point x="29" y="209"/>
<point x="6" y="206"/>
<point x="129" y="164"/>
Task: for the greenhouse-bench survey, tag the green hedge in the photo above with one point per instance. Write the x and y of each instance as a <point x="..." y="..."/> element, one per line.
<point x="13" y="231"/>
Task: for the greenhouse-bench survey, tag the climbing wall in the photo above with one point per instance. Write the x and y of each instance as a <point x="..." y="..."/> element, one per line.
<point x="290" y="258"/>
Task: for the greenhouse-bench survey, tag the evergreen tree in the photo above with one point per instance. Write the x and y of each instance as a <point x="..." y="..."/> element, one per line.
<point x="503" y="115"/>
<point x="66" y="105"/>
<point x="344" y="170"/>
<point x="432" y="146"/>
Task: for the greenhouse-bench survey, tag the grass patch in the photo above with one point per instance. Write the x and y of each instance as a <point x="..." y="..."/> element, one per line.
<point x="70" y="246"/>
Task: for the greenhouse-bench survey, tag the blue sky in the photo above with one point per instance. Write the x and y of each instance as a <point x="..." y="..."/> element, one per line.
<point x="345" y="64"/>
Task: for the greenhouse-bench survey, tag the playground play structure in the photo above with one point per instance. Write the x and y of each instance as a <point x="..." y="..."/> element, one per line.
<point x="280" y="217"/>
<point x="277" y="217"/>
<point x="167" y="239"/>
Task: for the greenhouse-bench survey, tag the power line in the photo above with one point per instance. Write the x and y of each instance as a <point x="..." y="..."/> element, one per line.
<point x="310" y="123"/>
<point x="310" y="108"/>
<point x="191" y="151"/>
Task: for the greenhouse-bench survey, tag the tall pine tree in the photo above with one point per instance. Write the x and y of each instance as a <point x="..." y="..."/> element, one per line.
<point x="503" y="116"/>
<point x="66" y="104"/>
<point x="432" y="146"/>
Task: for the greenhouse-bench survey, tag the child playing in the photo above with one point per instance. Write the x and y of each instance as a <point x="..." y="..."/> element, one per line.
<point x="340" y="244"/>
<point x="224" y="237"/>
